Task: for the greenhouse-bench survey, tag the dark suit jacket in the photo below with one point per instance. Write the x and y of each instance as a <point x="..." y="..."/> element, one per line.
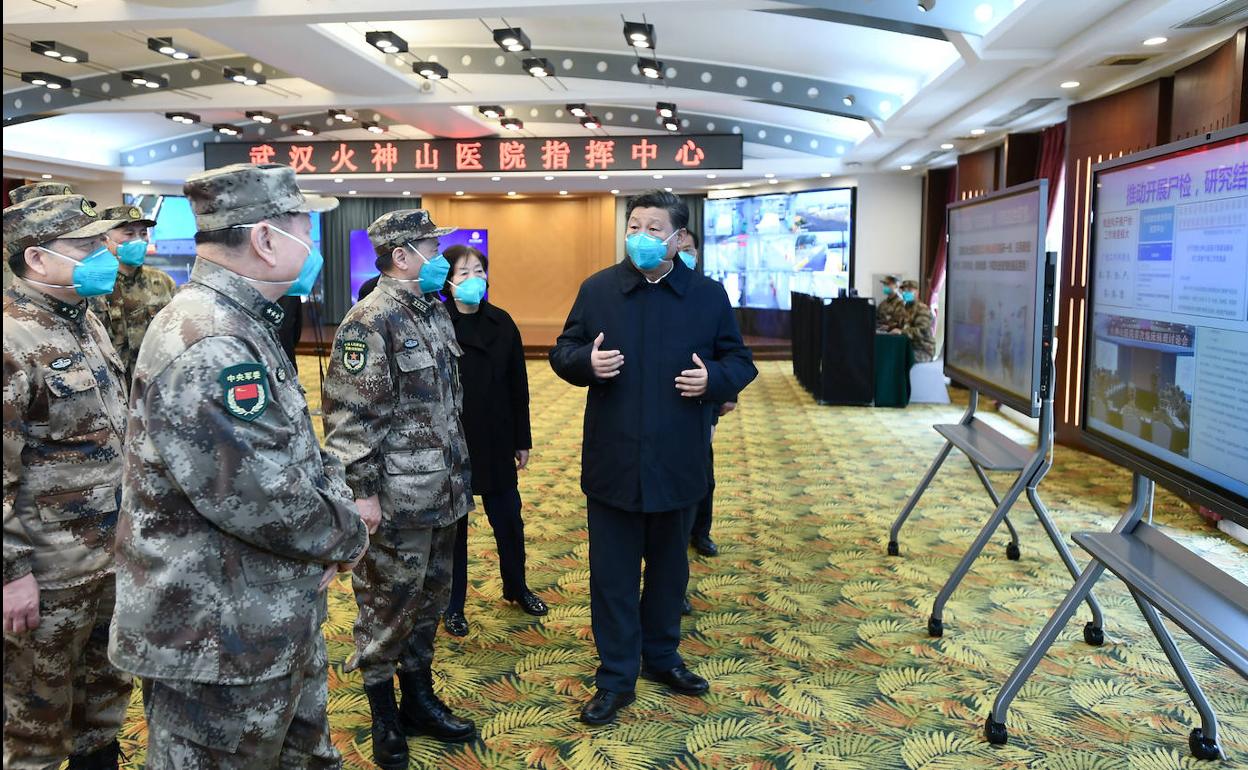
<point x="645" y="445"/>
<point x="496" y="396"/>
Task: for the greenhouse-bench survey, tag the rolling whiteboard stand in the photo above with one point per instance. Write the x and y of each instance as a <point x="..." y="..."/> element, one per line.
<point x="1160" y="574"/>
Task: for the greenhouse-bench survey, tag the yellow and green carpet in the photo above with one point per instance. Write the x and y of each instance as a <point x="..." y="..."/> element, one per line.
<point x="815" y="642"/>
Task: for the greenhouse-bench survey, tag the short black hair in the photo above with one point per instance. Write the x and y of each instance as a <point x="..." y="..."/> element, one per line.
<point x="17" y="262"/>
<point x="385" y="257"/>
<point x="677" y="209"/>
<point x="237" y="237"/>
<point x="697" y="242"/>
<point x="454" y="254"/>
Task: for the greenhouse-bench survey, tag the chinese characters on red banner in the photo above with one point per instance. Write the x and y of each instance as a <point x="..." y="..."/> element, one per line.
<point x="261" y="154"/>
<point x="599" y="154"/>
<point x="511" y="156"/>
<point x="384" y="155"/>
<point x="468" y="156"/>
<point x="427" y="157"/>
<point x="555" y="155"/>
<point x="301" y="158"/>
<point x="645" y="151"/>
<point x="690" y="155"/>
<point x="342" y="159"/>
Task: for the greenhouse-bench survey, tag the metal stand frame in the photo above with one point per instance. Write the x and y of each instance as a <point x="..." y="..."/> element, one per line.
<point x="1031" y="472"/>
<point x="1203" y="740"/>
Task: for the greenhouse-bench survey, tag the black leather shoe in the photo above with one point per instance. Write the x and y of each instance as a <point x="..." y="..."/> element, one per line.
<point x="605" y="704"/>
<point x="423" y="713"/>
<point x="680" y="679"/>
<point x="455" y="623"/>
<point x="686" y="608"/>
<point x="704" y="545"/>
<point x="530" y="603"/>
<point x="389" y="745"/>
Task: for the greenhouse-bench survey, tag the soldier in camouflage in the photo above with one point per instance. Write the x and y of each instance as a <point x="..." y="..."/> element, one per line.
<point x="34" y="190"/>
<point x="888" y="314"/>
<point x="233" y="520"/>
<point x="392" y="402"/>
<point x="64" y="423"/>
<point x="141" y="290"/>
<point x="916" y="322"/>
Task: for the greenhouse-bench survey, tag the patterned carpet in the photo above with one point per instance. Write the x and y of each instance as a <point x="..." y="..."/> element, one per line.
<point x="815" y="642"/>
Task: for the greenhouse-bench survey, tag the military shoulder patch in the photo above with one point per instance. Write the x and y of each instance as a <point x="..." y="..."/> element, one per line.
<point x="246" y="390"/>
<point x="354" y="355"/>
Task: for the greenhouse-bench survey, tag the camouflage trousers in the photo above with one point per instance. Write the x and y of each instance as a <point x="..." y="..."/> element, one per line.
<point x="402" y="586"/>
<point x="277" y="723"/>
<point x="61" y="695"/>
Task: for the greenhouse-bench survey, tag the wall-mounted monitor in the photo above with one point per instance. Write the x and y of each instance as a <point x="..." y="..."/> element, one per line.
<point x="763" y="247"/>
<point x="994" y="294"/>
<point x="1165" y="354"/>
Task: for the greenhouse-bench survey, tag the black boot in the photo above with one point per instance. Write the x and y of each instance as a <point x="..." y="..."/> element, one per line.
<point x="389" y="744"/>
<point x="104" y="758"/>
<point x="423" y="713"/>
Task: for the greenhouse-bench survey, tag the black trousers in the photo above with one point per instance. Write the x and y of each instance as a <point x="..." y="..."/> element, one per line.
<point x="633" y="626"/>
<point x="503" y="511"/>
<point x="702" y="520"/>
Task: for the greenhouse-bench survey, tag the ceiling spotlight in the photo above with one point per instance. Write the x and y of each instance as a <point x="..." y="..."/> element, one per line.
<point x="550" y="178"/>
<point x="511" y="193"/>
<point x="387" y="42"/>
<point x="615" y="192"/>
<point x="848" y="100"/>
<point x="825" y="174"/>
<point x="303" y="129"/>
<point x="603" y="176"/>
<point x="52" y="82"/>
<point x="339" y="180"/>
<point x="773" y="181"/>
<point x="671" y="124"/>
<point x="639" y="34"/>
<point x="906" y="167"/>
<point x="947" y="146"/>
<point x="512" y="39"/>
<point x="711" y="176"/>
<point x="146" y="181"/>
<point x="389" y="179"/>
<point x="242" y="76"/>
<point x="652" y="70"/>
<point x="55" y="50"/>
<point x="407" y="192"/>
<point x="342" y="115"/>
<point x="769" y="176"/>
<point x="185" y="118"/>
<point x="926" y="5"/>
<point x="1070" y="84"/>
<point x="373" y="127"/>
<point x="165" y="45"/>
<point x="137" y="78"/>
<point x="264" y="118"/>
<point x="978" y="132"/>
<point x="658" y="176"/>
<point x="353" y="192"/>
<point x="539" y="67"/>
<point x="441" y="179"/>
<point x="226" y="129"/>
<point x="491" y="111"/>
<point x="45" y="176"/>
<point x="563" y="192"/>
<point x="459" y="192"/>
<point x="430" y="70"/>
<point x="665" y="109"/>
<point x="578" y="110"/>
<point x="496" y="179"/>
<point x="1155" y="41"/>
<point x="512" y="124"/>
<point x="590" y="122"/>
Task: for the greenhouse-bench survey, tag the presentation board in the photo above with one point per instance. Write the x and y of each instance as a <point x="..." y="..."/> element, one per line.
<point x="763" y="247"/>
<point x="994" y="294"/>
<point x="1166" y="348"/>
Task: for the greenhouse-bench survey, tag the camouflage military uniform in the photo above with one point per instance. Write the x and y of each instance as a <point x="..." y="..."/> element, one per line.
<point x="139" y="295"/>
<point x="392" y="401"/>
<point x="230" y="514"/>
<point x="64" y="422"/>
<point x="887" y="315"/>
<point x="916" y="322"/>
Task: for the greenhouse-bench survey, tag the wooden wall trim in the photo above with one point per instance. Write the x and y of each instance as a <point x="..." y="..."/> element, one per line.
<point x="1209" y="93"/>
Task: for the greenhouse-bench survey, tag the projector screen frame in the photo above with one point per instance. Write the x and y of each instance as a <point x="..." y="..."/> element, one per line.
<point x="1185" y="483"/>
<point x="1019" y="402"/>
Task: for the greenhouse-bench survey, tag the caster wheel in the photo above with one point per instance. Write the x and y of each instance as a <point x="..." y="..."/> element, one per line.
<point x="935" y="627"/>
<point x="1093" y="635"/>
<point x="1202" y="747"/>
<point x="995" y="732"/>
<point x="1012" y="553"/>
<point x="893" y="549"/>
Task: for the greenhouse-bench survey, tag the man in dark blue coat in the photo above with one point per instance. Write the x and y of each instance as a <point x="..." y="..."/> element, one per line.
<point x="658" y="347"/>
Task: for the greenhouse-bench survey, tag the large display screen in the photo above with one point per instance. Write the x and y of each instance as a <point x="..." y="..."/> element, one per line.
<point x="1166" y="361"/>
<point x="364" y="257"/>
<point x="762" y="248"/>
<point x="994" y="287"/>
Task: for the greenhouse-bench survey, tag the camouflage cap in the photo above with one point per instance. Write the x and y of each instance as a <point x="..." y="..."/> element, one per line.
<point x="245" y="193"/>
<point x="910" y="284"/>
<point x="38" y="190"/>
<point x="36" y="221"/>
<point x="407" y="226"/>
<point x="889" y="279"/>
<point x="127" y="215"/>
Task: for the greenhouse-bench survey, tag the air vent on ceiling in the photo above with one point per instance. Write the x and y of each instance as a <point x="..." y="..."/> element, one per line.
<point x="1028" y="107"/>
<point x="1126" y="60"/>
<point x="1226" y="12"/>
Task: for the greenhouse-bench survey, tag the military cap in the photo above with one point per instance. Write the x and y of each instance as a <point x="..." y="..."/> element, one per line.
<point x="36" y="221"/>
<point x="127" y="215"/>
<point x="38" y="190"/>
<point x="245" y="193"/>
<point x="889" y="279"/>
<point x="910" y="284"/>
<point x="407" y="226"/>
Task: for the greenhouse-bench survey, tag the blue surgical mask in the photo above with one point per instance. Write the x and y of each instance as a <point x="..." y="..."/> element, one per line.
<point x="907" y="297"/>
<point x="647" y="251"/>
<point x="311" y="270"/>
<point x="470" y="291"/>
<point x="132" y="253"/>
<point x="888" y="290"/>
<point x="689" y="260"/>
<point x="433" y="273"/>
<point x="94" y="274"/>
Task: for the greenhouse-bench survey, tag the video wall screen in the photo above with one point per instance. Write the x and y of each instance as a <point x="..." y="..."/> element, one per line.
<point x="761" y="248"/>
<point x="364" y="257"/>
<point x="1167" y="349"/>
<point x="994" y="287"/>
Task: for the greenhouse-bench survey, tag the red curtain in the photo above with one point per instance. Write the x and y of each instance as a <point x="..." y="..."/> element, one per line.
<point x="942" y="247"/>
<point x="1052" y="159"/>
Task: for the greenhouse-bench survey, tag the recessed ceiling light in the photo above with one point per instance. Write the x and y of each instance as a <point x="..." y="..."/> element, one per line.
<point x="978" y="132"/>
<point x="615" y="192"/>
<point x="563" y="192"/>
<point x="603" y="176"/>
<point x="773" y="181"/>
<point x="906" y="167"/>
<point x="848" y="100"/>
<point x="1070" y="84"/>
<point x="338" y="180"/>
<point x="711" y="176"/>
<point x="946" y="146"/>
<point x="511" y="192"/>
<point x="459" y="192"/>
<point x="407" y="192"/>
<point x="45" y="176"/>
<point x="1155" y="40"/>
<point x="769" y="176"/>
<point x="351" y="192"/>
<point x="658" y="176"/>
<point x="389" y="179"/>
<point x="496" y="179"/>
<point x="441" y="179"/>
<point x="146" y="181"/>
<point x="825" y="175"/>
<point x="668" y="189"/>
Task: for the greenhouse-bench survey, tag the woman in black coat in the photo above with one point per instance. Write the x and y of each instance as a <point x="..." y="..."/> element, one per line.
<point x="496" y="424"/>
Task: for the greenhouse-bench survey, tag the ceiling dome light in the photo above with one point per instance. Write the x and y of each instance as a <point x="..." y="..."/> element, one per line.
<point x="1070" y="84"/>
<point x="1155" y="40"/>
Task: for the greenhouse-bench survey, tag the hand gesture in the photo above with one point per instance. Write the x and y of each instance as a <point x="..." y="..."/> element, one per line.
<point x="727" y="407"/>
<point x="606" y="363"/>
<point x="370" y="512"/>
<point x="692" y="382"/>
<point x="21" y="605"/>
<point x="522" y="459"/>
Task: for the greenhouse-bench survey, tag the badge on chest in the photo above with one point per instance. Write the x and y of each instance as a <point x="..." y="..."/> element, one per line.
<point x="246" y="390"/>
